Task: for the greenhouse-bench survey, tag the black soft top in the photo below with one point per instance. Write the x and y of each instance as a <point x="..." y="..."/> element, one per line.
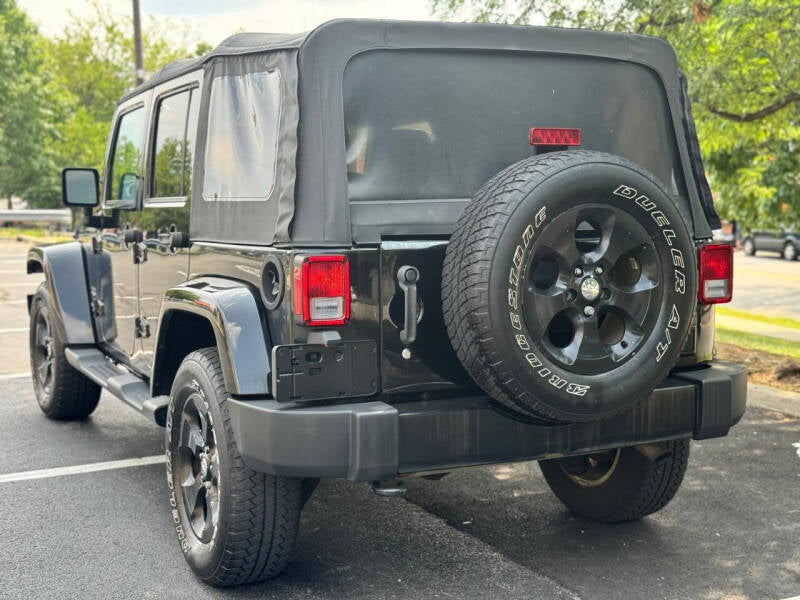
<point x="240" y="43"/>
<point x="309" y="204"/>
<point x="427" y="34"/>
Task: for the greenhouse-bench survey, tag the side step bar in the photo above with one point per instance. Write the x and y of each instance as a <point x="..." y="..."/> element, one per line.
<point x="132" y="390"/>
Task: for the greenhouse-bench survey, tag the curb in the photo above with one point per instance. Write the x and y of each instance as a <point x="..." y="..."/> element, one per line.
<point x="771" y="398"/>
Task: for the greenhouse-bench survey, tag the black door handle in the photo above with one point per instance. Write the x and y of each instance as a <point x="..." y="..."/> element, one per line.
<point x="407" y="278"/>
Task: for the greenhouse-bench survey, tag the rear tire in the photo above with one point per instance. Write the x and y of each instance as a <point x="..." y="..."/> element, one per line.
<point x="61" y="391"/>
<point x="622" y="485"/>
<point x="789" y="251"/>
<point x="233" y="524"/>
<point x="749" y="247"/>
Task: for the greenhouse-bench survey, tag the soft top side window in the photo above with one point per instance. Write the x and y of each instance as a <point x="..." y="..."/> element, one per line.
<point x="124" y="171"/>
<point x="242" y="145"/>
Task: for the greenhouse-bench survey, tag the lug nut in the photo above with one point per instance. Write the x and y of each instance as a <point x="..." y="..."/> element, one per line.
<point x="589" y="311"/>
<point x="578" y="271"/>
<point x="599" y="270"/>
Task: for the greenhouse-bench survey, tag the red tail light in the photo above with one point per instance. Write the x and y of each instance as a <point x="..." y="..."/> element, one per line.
<point x="715" y="264"/>
<point x="554" y="136"/>
<point x="322" y="290"/>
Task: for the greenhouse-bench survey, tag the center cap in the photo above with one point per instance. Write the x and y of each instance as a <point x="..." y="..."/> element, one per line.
<point x="590" y="289"/>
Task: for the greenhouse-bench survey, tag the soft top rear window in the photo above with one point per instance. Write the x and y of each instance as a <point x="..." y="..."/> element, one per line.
<point x="427" y="124"/>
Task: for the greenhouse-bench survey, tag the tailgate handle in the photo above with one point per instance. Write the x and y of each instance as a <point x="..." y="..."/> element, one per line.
<point x="407" y="278"/>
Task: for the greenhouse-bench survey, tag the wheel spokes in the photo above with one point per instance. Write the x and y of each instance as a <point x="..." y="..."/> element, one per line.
<point x="43" y="369"/>
<point x="193" y="490"/>
<point x="634" y="300"/>
<point x="617" y="242"/>
<point x="590" y="345"/>
<point x="559" y="238"/>
<point x="545" y="306"/>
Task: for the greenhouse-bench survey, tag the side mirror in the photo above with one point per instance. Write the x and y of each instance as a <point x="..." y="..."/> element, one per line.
<point x="80" y="187"/>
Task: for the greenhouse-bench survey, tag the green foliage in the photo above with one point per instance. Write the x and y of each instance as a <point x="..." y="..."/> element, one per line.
<point x="742" y="60"/>
<point x="30" y="105"/>
<point x="58" y="95"/>
<point x="95" y="64"/>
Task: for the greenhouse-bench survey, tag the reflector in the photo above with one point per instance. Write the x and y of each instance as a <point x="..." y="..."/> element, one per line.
<point x="554" y="136"/>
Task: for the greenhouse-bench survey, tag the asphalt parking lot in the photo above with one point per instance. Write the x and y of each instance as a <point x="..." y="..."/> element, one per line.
<point x="490" y="532"/>
<point x="766" y="284"/>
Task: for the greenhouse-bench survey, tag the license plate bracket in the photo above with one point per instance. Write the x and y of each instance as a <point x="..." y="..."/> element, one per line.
<point x="342" y="369"/>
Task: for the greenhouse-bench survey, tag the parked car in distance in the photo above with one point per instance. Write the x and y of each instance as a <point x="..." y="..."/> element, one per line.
<point x="784" y="243"/>
<point x="388" y="249"/>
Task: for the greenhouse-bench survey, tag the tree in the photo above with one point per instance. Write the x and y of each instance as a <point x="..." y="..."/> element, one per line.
<point x="57" y="96"/>
<point x="30" y="103"/>
<point x="742" y="60"/>
<point x="94" y="60"/>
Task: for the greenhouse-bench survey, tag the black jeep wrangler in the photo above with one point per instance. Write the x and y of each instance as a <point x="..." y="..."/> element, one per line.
<point x="384" y="249"/>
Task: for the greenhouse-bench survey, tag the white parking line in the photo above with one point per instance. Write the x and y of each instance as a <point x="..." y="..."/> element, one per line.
<point x="30" y="284"/>
<point x="13" y="330"/>
<point x="80" y="469"/>
<point x="4" y="376"/>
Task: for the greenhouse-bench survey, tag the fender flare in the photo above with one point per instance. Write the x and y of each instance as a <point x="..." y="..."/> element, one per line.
<point x="233" y="311"/>
<point x="64" y="269"/>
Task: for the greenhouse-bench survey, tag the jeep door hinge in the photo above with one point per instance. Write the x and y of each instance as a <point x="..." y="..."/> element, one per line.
<point x="97" y="244"/>
<point x="142" y="327"/>
<point x="139" y="253"/>
<point x="98" y="306"/>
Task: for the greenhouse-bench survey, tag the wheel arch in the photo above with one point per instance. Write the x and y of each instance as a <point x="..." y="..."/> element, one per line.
<point x="64" y="269"/>
<point x="214" y="311"/>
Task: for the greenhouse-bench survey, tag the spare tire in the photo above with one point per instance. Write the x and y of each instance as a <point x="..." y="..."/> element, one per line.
<point x="569" y="285"/>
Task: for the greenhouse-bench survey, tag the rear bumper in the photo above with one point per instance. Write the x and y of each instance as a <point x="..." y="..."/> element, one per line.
<point x="370" y="441"/>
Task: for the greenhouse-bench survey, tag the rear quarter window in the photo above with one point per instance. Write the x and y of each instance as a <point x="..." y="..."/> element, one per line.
<point x="241" y="147"/>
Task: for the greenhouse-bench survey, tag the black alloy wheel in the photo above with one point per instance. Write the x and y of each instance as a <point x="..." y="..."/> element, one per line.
<point x="198" y="467"/>
<point x="61" y="391"/>
<point x="593" y="289"/>
<point x="43" y="353"/>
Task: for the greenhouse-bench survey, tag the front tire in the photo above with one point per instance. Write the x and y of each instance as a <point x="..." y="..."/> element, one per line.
<point x="234" y="525"/>
<point x="749" y="247"/>
<point x="61" y="391"/>
<point x="624" y="484"/>
<point x="789" y="251"/>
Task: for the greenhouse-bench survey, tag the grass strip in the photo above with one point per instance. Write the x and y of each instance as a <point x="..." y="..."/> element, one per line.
<point x="38" y="234"/>
<point x="762" y="343"/>
<point x="743" y="314"/>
